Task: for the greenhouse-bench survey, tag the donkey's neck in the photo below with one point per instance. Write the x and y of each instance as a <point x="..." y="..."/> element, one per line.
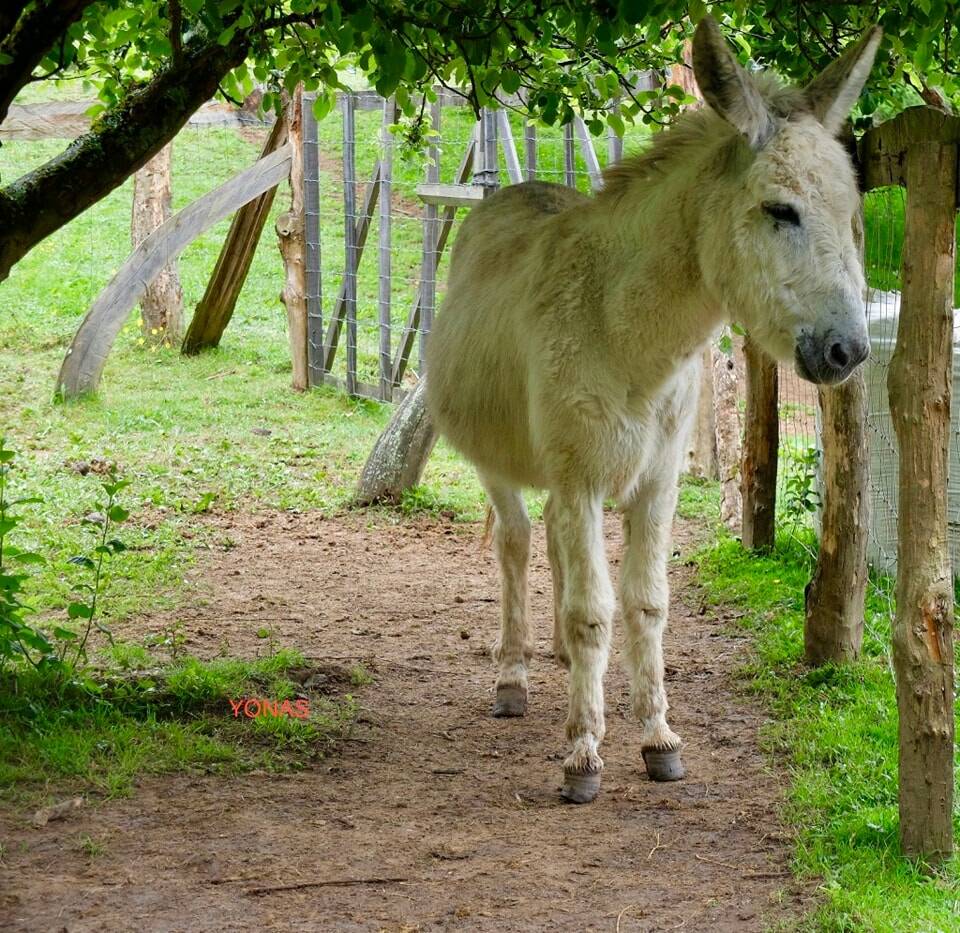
<point x="658" y="304"/>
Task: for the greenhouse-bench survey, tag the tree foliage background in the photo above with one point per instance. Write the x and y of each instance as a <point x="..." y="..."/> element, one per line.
<point x="152" y="63"/>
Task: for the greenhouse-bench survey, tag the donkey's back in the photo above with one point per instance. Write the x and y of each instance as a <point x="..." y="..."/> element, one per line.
<point x="486" y="340"/>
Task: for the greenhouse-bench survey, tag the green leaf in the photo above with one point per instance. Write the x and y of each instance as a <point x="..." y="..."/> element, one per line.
<point x="79" y="611"/>
<point x="81" y="560"/>
<point x="118" y="513"/>
<point x="64" y="634"/>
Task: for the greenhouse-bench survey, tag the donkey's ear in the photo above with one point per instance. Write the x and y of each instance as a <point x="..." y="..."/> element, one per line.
<point x="727" y="87"/>
<point x="833" y="93"/>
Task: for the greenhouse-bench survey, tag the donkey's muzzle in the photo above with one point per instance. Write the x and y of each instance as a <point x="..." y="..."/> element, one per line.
<point x="830" y="360"/>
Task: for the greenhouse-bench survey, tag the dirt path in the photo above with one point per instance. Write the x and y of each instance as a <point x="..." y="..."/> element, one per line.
<point x="463" y="809"/>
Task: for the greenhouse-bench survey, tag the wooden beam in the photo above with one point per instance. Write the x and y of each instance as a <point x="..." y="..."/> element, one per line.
<point x="589" y="153"/>
<point x="216" y="307"/>
<point x="85" y="359"/>
<point x="514" y="172"/>
<point x="450" y="195"/>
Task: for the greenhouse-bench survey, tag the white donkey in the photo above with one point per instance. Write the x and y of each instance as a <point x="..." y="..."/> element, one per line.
<point x="566" y="354"/>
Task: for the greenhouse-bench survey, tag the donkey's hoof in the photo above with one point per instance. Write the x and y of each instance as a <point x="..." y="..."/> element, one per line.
<point x="663" y="764"/>
<point x="580" y="788"/>
<point x="510" y="701"/>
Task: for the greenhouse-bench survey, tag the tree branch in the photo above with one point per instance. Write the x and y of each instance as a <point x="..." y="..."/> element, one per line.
<point x="34" y="34"/>
<point x="122" y="141"/>
<point x="9" y="15"/>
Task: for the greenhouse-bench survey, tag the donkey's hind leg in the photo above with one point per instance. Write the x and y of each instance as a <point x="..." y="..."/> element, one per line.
<point x="644" y="597"/>
<point x="550" y="521"/>
<point x="514" y="648"/>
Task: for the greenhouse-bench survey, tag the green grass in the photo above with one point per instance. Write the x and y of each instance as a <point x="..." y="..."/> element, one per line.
<point x="150" y="715"/>
<point x="836" y="730"/>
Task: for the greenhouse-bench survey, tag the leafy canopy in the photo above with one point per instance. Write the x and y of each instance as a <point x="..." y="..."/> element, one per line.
<point x="559" y="56"/>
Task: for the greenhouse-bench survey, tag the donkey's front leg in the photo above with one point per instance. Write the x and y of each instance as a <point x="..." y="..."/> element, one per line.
<point x="644" y="597"/>
<point x="586" y="613"/>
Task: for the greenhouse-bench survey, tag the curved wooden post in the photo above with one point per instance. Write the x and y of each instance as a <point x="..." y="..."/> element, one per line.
<point x="761" y="442"/>
<point x="82" y="366"/>
<point x="920" y="383"/>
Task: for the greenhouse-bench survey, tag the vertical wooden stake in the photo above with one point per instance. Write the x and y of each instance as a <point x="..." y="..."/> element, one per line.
<point x="726" y="417"/>
<point x="290" y="230"/>
<point x="919" y="383"/>
<point x="834" y="597"/>
<point x="761" y="441"/>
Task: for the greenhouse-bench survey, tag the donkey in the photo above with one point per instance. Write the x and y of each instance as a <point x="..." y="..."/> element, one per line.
<point x="565" y="356"/>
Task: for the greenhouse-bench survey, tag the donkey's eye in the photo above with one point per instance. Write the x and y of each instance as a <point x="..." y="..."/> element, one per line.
<point x="781" y="213"/>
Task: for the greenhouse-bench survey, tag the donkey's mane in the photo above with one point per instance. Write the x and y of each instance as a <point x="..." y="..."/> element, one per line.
<point x="694" y="131"/>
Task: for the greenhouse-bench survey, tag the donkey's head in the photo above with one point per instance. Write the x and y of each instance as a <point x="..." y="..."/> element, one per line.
<point x="779" y="247"/>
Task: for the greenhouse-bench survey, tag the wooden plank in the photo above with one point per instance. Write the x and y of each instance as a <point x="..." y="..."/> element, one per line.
<point x="589" y="153"/>
<point x="614" y="148"/>
<point x="405" y="347"/>
<point x="216" y="307"/>
<point x="428" y="277"/>
<point x="514" y="172"/>
<point x="384" y="280"/>
<point x="338" y="314"/>
<point x="85" y="359"/>
<point x="350" y="254"/>
<point x="450" y="195"/>
<point x="311" y="234"/>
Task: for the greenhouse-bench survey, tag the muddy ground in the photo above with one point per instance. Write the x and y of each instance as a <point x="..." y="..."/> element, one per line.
<point x="431" y="815"/>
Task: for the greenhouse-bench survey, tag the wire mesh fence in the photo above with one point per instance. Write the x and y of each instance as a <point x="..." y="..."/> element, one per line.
<point x="399" y="279"/>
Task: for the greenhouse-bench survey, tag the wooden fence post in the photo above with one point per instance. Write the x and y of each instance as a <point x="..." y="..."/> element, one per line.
<point x="290" y="230"/>
<point x="569" y="158"/>
<point x="834" y="597"/>
<point x="213" y="312"/>
<point x="530" y="150"/>
<point x="761" y="441"/>
<point x="162" y="301"/>
<point x="920" y="383"/>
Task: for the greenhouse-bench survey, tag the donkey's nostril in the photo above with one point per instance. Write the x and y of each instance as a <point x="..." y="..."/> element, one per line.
<point x="838" y="357"/>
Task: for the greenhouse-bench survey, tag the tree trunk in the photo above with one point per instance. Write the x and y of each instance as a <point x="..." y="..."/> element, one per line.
<point x="726" y="417"/>
<point x="213" y="313"/>
<point x="162" y="302"/>
<point x="919" y="384"/>
<point x="834" y="597"/>
<point x="42" y="201"/>
<point x="761" y="442"/>
<point x="293" y="249"/>
<point x="702" y="447"/>
<point x="401" y="452"/>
